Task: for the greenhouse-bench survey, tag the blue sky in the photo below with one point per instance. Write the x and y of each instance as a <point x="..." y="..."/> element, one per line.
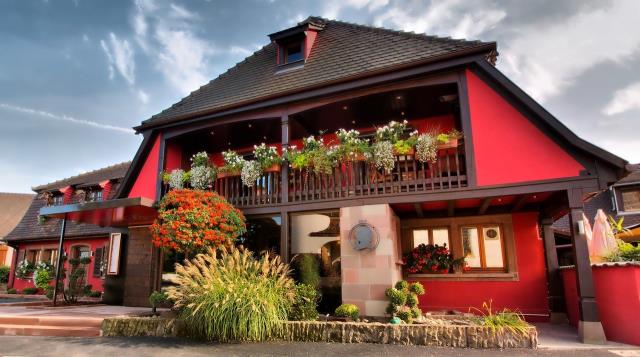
<point x="76" y="75"/>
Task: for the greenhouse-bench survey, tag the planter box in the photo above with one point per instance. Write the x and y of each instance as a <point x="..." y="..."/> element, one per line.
<point x="347" y="332"/>
<point x="453" y="143"/>
<point x="273" y="168"/>
<point x="617" y="288"/>
<point x="224" y="174"/>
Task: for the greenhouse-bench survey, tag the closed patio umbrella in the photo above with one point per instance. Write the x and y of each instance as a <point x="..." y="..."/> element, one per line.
<point x="604" y="241"/>
<point x="588" y="232"/>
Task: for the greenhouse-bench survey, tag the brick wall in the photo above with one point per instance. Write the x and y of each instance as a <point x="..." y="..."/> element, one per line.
<point x="142" y="267"/>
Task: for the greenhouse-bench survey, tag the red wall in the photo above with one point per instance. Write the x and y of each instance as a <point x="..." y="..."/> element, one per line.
<point x="507" y="146"/>
<point x="618" y="297"/>
<point x="145" y="185"/>
<point x="528" y="294"/>
<point x="94" y="243"/>
<point x="173" y="156"/>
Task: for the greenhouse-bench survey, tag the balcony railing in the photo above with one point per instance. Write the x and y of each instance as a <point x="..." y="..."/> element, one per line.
<point x="356" y="179"/>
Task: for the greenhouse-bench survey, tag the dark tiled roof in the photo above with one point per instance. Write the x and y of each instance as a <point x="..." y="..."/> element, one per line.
<point x="633" y="176"/>
<point x="30" y="228"/>
<point x="12" y="208"/>
<point x="116" y="171"/>
<point x="341" y="51"/>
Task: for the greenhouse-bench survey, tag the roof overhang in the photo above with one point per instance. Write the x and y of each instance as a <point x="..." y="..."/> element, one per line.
<point x="123" y="212"/>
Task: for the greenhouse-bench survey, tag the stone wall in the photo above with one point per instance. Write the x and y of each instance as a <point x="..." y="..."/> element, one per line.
<point x="366" y="274"/>
<point x="348" y="332"/>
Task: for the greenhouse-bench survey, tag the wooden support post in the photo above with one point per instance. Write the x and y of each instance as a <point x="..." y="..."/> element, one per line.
<point x="60" y="259"/>
<point x="589" y="325"/>
<point x="284" y="236"/>
<point x="554" y="281"/>
<point x="284" y="173"/>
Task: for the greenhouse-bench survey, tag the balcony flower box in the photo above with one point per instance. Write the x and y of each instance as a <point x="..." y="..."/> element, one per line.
<point x="223" y="174"/>
<point x="273" y="168"/>
<point x="451" y="144"/>
<point x="409" y="152"/>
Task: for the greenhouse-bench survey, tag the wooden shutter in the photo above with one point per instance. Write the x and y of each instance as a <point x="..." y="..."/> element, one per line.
<point x="97" y="263"/>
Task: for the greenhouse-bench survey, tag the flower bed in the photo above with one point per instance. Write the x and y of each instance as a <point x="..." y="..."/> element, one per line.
<point x="438" y="333"/>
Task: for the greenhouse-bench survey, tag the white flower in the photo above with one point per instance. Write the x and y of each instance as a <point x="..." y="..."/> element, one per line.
<point x="383" y="157"/>
<point x="202" y="177"/>
<point x="176" y="178"/>
<point x="251" y="172"/>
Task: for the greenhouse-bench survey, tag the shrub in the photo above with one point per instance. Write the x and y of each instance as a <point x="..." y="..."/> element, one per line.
<point x="157" y="298"/>
<point x="41" y="278"/>
<point x="87" y="289"/>
<point x="24" y="269"/>
<point x="403" y="300"/>
<point x="505" y="319"/>
<point x="48" y="292"/>
<point x="307" y="268"/>
<point x="29" y="291"/>
<point x="229" y="295"/>
<point x="305" y="303"/>
<point x="95" y="294"/>
<point x="348" y="310"/>
<point x="192" y="220"/>
<point x="4" y="274"/>
<point x="12" y="291"/>
<point x="626" y="252"/>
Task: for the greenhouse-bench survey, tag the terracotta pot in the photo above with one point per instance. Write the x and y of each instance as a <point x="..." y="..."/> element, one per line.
<point x="273" y="168"/>
<point x="452" y="143"/>
<point x="223" y="174"/>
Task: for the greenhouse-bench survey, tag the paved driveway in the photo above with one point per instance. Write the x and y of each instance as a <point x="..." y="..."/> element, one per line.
<point x="139" y="347"/>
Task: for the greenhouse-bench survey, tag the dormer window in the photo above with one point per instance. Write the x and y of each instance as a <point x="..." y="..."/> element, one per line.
<point x="57" y="200"/>
<point x="292" y="52"/>
<point x="94" y="195"/>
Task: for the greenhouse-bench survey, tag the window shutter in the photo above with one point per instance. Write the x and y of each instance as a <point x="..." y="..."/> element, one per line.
<point x="97" y="263"/>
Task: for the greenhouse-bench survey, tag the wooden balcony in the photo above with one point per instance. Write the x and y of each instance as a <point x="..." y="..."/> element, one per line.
<point x="356" y="179"/>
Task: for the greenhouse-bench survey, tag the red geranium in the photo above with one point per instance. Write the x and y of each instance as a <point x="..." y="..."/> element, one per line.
<point x="430" y="258"/>
<point x="191" y="220"/>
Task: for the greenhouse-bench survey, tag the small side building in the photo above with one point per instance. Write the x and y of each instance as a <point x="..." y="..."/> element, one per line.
<point x="35" y="238"/>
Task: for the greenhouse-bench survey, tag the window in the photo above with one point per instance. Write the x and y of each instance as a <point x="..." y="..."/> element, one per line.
<point x="82" y="251"/>
<point x="49" y="256"/>
<point x="94" y="195"/>
<point x="436" y="236"/>
<point x="57" y="200"/>
<point x="291" y="52"/>
<point x="32" y="256"/>
<point x="483" y="247"/>
<point x="631" y="200"/>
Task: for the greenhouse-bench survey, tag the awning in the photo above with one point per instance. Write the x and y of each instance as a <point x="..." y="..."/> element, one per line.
<point x="123" y="212"/>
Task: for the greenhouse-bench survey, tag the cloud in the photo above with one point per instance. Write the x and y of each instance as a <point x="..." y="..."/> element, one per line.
<point x="143" y="96"/>
<point x="333" y="8"/>
<point x="455" y="18"/>
<point x="50" y="116"/>
<point x="121" y="56"/>
<point x="546" y="60"/>
<point x="623" y="100"/>
<point x="168" y="37"/>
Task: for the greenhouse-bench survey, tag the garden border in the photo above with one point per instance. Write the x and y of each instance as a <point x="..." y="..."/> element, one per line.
<point x="347" y="332"/>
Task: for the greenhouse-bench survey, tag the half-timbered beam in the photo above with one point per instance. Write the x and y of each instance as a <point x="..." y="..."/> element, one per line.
<point x="519" y="203"/>
<point x="451" y="208"/>
<point x="484" y="205"/>
<point x="418" y="208"/>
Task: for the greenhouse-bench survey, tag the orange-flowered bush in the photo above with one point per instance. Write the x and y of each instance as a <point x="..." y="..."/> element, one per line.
<point x="191" y="220"/>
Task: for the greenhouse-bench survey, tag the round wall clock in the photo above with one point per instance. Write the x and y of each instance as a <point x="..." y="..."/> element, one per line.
<point x="364" y="236"/>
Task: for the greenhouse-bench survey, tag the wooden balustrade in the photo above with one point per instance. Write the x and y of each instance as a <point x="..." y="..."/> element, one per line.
<point x="353" y="179"/>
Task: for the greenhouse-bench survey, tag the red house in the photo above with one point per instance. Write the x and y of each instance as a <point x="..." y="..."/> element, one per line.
<point x="36" y="238"/>
<point x="491" y="198"/>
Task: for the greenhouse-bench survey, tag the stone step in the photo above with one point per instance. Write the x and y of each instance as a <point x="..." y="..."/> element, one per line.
<point x="65" y="321"/>
<point x="40" y="330"/>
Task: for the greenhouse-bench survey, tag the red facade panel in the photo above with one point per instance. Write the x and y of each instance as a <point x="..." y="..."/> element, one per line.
<point x="508" y="147"/>
<point x="145" y="185"/>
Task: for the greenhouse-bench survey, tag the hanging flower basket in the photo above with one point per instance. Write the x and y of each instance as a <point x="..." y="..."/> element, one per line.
<point x="273" y="168"/>
<point x="452" y="143"/>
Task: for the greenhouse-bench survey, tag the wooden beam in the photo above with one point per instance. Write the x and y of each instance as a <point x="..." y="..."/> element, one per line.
<point x="451" y="208"/>
<point x="485" y="205"/>
<point x="519" y="203"/>
<point x="556" y="294"/>
<point x="419" y="211"/>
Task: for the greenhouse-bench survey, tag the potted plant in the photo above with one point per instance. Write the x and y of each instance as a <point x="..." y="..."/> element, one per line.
<point x="431" y="259"/>
<point x="352" y="147"/>
<point x="268" y="157"/>
<point x="449" y="140"/>
<point x="314" y="156"/>
<point x="250" y="172"/>
<point x="427" y="148"/>
<point x="232" y="164"/>
<point x="176" y="178"/>
<point x="202" y="174"/>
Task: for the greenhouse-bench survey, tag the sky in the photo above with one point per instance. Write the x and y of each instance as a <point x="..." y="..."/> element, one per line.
<point x="76" y="75"/>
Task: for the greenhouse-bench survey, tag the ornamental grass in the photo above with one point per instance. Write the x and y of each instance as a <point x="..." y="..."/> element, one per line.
<point x="230" y="295"/>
